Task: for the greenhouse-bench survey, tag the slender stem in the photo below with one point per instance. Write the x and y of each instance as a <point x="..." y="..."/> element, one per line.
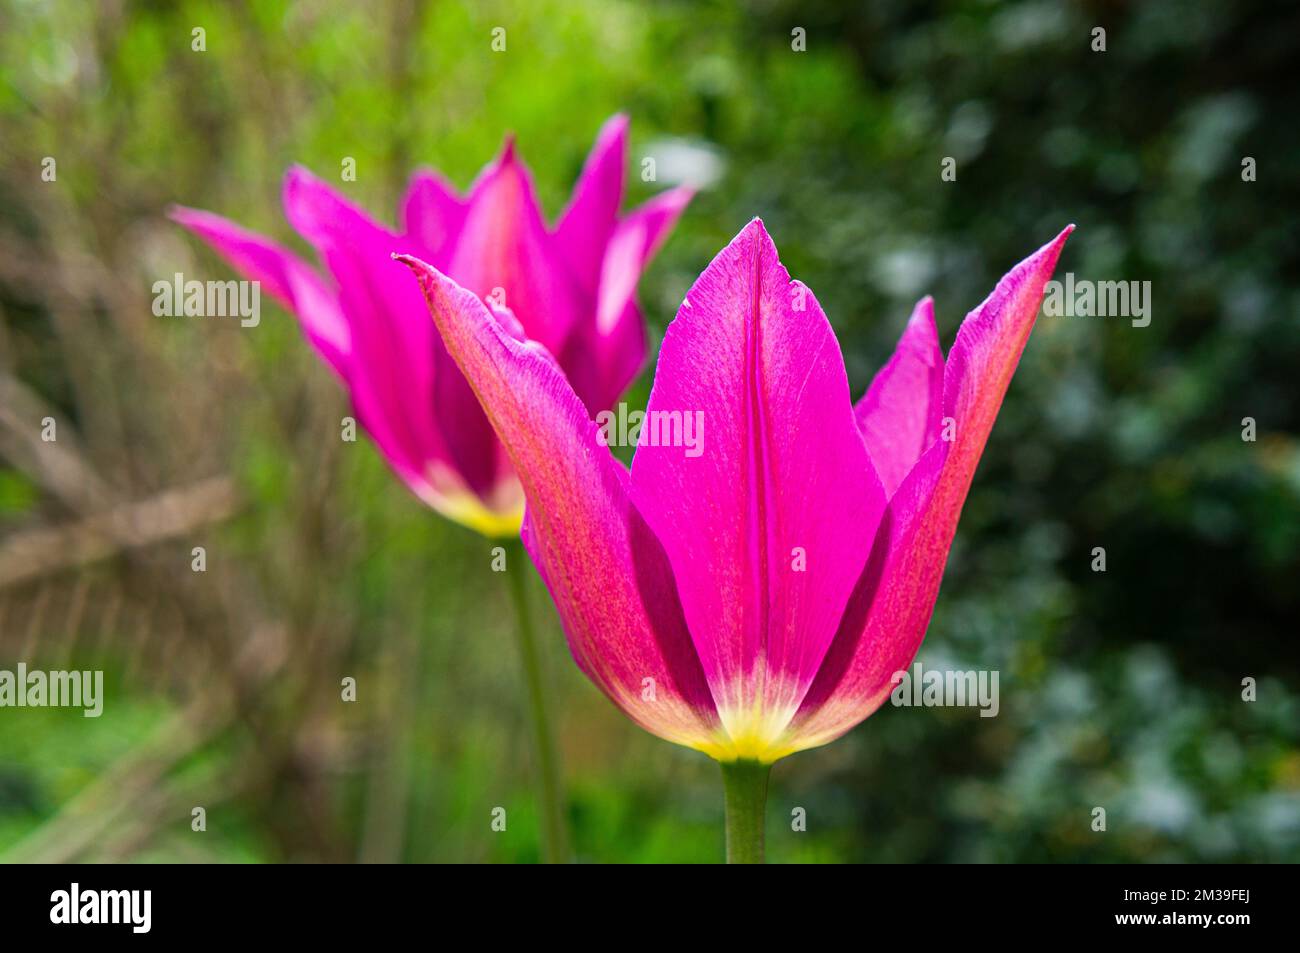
<point x="555" y="848"/>
<point x="744" y="784"/>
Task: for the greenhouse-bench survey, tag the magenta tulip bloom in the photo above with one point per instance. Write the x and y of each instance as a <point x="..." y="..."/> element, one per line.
<point x="571" y="288"/>
<point x="752" y="599"/>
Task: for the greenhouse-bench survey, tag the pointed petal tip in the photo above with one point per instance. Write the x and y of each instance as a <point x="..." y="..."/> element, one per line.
<point x="670" y="203"/>
<point x="616" y="125"/>
<point x="297" y="174"/>
<point x="417" y="265"/>
<point x="424" y="272"/>
<point x="508" y="166"/>
<point x="754" y="229"/>
<point x="923" y="318"/>
<point x="611" y="145"/>
<point x="182" y="214"/>
<point x="298" y="179"/>
<point x="207" y="225"/>
<point x="1065" y="233"/>
<point x="753" y="238"/>
<point x="509" y="150"/>
<point x="199" y="220"/>
<point x="433" y="283"/>
<point x="612" y="135"/>
<point x="1050" y="252"/>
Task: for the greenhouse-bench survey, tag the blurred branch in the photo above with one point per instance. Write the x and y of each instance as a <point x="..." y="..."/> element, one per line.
<point x="165" y="516"/>
<point x="58" y="465"/>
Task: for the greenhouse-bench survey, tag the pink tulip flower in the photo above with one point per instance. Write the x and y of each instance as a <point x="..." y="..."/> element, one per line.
<point x="571" y="288"/>
<point x="753" y="599"/>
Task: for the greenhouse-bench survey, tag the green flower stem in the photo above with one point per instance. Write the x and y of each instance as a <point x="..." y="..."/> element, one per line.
<point x="744" y="785"/>
<point x="555" y="848"/>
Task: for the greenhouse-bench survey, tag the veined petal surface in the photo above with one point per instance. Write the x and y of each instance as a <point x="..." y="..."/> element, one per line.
<point x="769" y="525"/>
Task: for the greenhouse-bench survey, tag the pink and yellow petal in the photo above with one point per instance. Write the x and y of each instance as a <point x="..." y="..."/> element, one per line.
<point x="768" y="526"/>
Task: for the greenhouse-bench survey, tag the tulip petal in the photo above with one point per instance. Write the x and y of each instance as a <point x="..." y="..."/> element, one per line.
<point x="586" y="225"/>
<point x="432" y="214"/>
<point x="603" y="356"/>
<point x="633" y="243"/>
<point x="392" y="379"/>
<point x="284" y="275"/>
<point x="900" y="413"/>
<point x="504" y="249"/>
<point x="605" y="570"/>
<point x="769" y="525"/>
<point x="401" y="376"/>
<point x="892" y="605"/>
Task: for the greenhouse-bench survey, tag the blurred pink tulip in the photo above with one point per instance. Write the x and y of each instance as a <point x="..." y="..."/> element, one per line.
<point x="572" y="288"/>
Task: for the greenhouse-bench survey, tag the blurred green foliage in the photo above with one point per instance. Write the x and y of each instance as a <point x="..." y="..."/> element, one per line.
<point x="1119" y="689"/>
